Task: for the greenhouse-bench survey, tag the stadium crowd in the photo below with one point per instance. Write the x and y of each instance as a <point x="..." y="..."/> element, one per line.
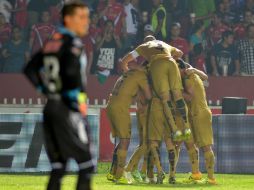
<point x="216" y="36"/>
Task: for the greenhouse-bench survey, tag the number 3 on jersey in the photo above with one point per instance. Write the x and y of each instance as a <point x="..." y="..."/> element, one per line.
<point x="51" y="77"/>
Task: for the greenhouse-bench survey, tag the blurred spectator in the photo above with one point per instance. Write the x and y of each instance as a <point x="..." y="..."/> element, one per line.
<point x="249" y="5"/>
<point x="105" y="60"/>
<point x="5" y="9"/>
<point x="15" y="53"/>
<point x="228" y="13"/>
<point x="148" y="30"/>
<point x="240" y="28"/>
<point x="224" y="59"/>
<point x="41" y="32"/>
<point x="5" y="30"/>
<point x="94" y="29"/>
<point x="245" y="48"/>
<point x="198" y="36"/>
<point x="35" y="8"/>
<point x="132" y="22"/>
<point x="178" y="42"/>
<point x="187" y="25"/>
<point x="21" y="14"/>
<point x="143" y="22"/>
<point x="199" y="57"/>
<point x="114" y="11"/>
<point x="176" y="9"/>
<point x="215" y="30"/>
<point x="159" y="20"/>
<point x="89" y="48"/>
<point x="203" y="9"/>
<point x="55" y="7"/>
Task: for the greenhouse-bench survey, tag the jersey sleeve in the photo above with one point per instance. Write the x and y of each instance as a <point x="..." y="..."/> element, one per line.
<point x="142" y="51"/>
<point x="32" y="70"/>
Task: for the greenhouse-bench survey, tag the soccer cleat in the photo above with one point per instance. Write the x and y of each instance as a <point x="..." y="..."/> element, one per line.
<point x="160" y="178"/>
<point x="193" y="178"/>
<point x="211" y="181"/>
<point x="122" y="180"/>
<point x="177" y="136"/>
<point x="136" y="176"/>
<point x="128" y="176"/>
<point x="186" y="134"/>
<point x="151" y="181"/>
<point x="172" y="180"/>
<point x="110" y="177"/>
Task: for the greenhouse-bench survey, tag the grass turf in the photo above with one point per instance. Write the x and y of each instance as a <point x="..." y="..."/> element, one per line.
<point x="39" y="181"/>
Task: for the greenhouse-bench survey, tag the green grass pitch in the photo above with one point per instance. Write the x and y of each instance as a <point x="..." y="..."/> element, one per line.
<point x="39" y="181"/>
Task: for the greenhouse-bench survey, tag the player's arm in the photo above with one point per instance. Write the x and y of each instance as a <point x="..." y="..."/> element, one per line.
<point x="74" y="89"/>
<point x="188" y="92"/>
<point x="176" y="53"/>
<point x="144" y="85"/>
<point x="131" y="56"/>
<point x="201" y="74"/>
<point x="32" y="70"/>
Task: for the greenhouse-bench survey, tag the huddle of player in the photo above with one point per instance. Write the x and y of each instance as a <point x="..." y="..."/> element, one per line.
<point x="171" y="108"/>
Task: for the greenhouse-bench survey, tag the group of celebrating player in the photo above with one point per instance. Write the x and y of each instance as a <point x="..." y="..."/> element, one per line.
<point x="171" y="107"/>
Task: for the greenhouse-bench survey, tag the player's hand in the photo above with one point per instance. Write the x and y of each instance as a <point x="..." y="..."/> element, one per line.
<point x="83" y="109"/>
<point x="190" y="70"/>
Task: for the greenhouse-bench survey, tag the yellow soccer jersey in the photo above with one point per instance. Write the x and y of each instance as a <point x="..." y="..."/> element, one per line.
<point x="198" y="101"/>
<point x="155" y="49"/>
<point x="127" y="87"/>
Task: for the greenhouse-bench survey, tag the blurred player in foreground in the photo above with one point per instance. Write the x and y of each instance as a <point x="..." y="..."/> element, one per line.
<point x="58" y="70"/>
<point x="200" y="115"/>
<point x="125" y="89"/>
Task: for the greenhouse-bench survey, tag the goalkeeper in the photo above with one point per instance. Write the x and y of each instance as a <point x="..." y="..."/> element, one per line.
<point x="58" y="71"/>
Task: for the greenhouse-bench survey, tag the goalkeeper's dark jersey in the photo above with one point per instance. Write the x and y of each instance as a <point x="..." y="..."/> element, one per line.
<point x="58" y="69"/>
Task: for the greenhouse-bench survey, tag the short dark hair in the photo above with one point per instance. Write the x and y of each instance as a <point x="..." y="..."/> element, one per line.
<point x="226" y="34"/>
<point x="149" y="38"/>
<point x="69" y="8"/>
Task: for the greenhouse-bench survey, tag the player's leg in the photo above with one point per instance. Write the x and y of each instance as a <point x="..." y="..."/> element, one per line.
<point x="155" y="153"/>
<point x="176" y="88"/>
<point x="209" y="163"/>
<point x="132" y="165"/>
<point x="194" y="161"/>
<point x="121" y="159"/>
<point x="172" y="158"/>
<point x="150" y="167"/>
<point x="86" y="169"/>
<point x="202" y="127"/>
<point x="112" y="170"/>
<point x="159" y="78"/>
<point x="57" y="161"/>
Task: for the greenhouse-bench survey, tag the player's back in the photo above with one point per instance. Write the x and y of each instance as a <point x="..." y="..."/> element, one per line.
<point x="127" y="87"/>
<point x="198" y="102"/>
<point x="155" y="49"/>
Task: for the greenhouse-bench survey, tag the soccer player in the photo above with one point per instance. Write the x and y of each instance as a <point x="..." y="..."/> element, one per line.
<point x="126" y="87"/>
<point x="201" y="116"/>
<point x="141" y="150"/>
<point x="164" y="77"/>
<point x="58" y="70"/>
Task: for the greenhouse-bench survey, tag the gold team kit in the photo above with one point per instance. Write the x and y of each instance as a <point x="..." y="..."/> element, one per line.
<point x="200" y="113"/>
<point x="124" y="91"/>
